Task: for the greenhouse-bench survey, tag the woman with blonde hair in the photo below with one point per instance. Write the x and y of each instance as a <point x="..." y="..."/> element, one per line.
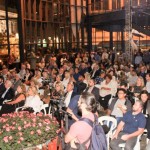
<point x="138" y="87"/>
<point x="58" y="91"/>
<point x="33" y="102"/>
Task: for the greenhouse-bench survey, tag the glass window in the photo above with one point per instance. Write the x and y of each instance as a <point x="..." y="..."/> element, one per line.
<point x="13" y="36"/>
<point x="13" y="31"/>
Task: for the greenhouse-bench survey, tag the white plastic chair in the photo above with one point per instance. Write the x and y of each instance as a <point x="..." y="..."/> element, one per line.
<point x="110" y="100"/>
<point x="110" y="122"/>
<point x="17" y="109"/>
<point x="136" y="147"/>
<point x="6" y="100"/>
<point x="44" y="106"/>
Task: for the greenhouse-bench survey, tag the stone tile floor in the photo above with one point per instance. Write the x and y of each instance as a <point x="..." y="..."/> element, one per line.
<point x="143" y="142"/>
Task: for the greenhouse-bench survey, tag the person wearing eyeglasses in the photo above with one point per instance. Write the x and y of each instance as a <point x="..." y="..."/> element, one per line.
<point x="130" y="127"/>
<point x="119" y="106"/>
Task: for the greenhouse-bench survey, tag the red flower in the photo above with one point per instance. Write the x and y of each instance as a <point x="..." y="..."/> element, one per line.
<point x="32" y="132"/>
<point x="39" y="131"/>
<point x="5" y="139"/>
<point x="19" y="128"/>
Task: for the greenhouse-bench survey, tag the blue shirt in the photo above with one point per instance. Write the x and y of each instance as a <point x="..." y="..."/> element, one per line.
<point x="133" y="122"/>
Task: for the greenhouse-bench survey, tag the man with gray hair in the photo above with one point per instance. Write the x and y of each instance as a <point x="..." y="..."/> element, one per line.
<point x="8" y="93"/>
<point x="131" y="126"/>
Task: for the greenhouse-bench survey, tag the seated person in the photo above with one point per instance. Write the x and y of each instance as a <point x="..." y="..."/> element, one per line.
<point x="100" y="78"/>
<point x="70" y="93"/>
<point x="148" y="133"/>
<point x="136" y="89"/>
<point x="129" y="94"/>
<point x="17" y="82"/>
<point x="54" y="98"/>
<point x="80" y="84"/>
<point x="119" y="106"/>
<point x="144" y="97"/>
<point x="2" y="86"/>
<point x="108" y="88"/>
<point x="33" y="102"/>
<point x="58" y="91"/>
<point x="93" y="89"/>
<point x="17" y="101"/>
<point x="131" y="126"/>
<point x="9" y="93"/>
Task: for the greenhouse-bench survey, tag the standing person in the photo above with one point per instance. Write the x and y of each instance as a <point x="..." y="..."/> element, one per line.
<point x="80" y="131"/>
<point x="131" y="126"/>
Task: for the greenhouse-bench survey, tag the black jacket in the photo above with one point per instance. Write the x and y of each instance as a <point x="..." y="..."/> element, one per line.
<point x="9" y="95"/>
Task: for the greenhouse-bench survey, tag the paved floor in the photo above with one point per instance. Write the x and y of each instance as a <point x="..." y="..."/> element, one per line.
<point x="143" y="142"/>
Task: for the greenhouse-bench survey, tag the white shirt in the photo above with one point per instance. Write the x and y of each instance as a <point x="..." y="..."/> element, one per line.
<point x="68" y="98"/>
<point x="132" y="80"/>
<point x="148" y="86"/>
<point x="112" y="85"/>
<point x="90" y="89"/>
<point x="22" y="73"/>
<point x="34" y="102"/>
<point x="105" y="55"/>
<point x="65" y="82"/>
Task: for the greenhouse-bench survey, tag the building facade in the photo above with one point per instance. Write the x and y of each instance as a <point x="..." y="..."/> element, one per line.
<point x="41" y="25"/>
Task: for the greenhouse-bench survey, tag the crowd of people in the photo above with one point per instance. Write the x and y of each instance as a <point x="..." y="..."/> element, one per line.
<point x="115" y="86"/>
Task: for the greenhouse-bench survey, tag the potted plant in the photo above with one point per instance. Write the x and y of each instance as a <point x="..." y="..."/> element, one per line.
<point x="23" y="129"/>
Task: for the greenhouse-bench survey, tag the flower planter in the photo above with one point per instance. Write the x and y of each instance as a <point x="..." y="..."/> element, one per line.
<point x="21" y="130"/>
<point x="54" y="145"/>
<point x="49" y="145"/>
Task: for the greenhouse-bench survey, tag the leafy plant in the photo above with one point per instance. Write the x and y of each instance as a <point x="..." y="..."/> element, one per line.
<point x="24" y="129"/>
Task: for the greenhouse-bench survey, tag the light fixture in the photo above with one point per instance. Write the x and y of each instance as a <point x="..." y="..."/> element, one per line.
<point x="17" y="36"/>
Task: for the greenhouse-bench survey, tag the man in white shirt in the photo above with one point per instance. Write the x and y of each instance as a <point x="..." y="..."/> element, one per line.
<point x="148" y="82"/>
